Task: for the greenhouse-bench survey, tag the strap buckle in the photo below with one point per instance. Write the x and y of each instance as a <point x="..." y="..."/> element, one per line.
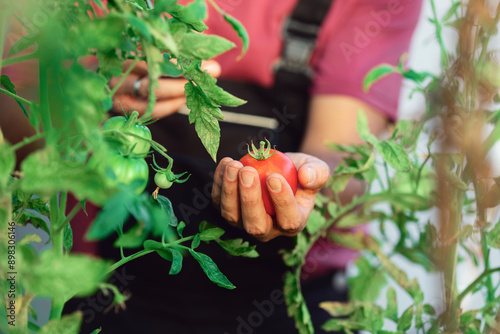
<point x="299" y="43"/>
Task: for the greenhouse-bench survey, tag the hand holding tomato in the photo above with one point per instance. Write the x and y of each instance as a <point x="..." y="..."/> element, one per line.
<point x="237" y="194"/>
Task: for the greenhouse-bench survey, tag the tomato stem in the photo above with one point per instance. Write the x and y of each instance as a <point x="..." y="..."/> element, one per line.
<point x="262" y="153"/>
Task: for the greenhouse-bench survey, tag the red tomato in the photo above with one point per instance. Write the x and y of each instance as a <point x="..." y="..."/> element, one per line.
<point x="266" y="162"/>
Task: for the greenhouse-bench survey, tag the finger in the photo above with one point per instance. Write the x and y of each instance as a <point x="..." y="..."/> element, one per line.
<point x="161" y="109"/>
<point x="253" y="214"/>
<point x="127" y="86"/>
<point x="230" y="204"/>
<point x="212" y="67"/>
<point x="140" y="69"/>
<point x="289" y="218"/>
<point x="167" y="88"/>
<point x="313" y="175"/>
<point x="218" y="177"/>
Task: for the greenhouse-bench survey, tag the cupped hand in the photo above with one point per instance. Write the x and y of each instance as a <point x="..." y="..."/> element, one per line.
<point x="169" y="95"/>
<point x="237" y="195"/>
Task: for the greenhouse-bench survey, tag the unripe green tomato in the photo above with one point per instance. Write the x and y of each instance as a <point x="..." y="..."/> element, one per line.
<point x="141" y="146"/>
<point x="161" y="181"/>
<point x="119" y="169"/>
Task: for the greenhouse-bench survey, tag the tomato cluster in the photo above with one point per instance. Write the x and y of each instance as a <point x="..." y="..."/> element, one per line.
<point x="124" y="164"/>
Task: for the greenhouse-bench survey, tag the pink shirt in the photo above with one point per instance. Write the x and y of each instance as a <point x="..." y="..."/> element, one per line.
<point x="356" y="36"/>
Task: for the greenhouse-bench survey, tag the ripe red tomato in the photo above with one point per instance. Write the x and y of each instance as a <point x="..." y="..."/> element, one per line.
<point x="266" y="162"/>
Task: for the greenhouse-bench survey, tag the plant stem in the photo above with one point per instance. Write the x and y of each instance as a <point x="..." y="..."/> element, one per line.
<point x="116" y="265"/>
<point x="15" y="60"/>
<point x="124" y="76"/>
<point x="16" y="97"/>
<point x="44" y="100"/>
<point x="439" y="36"/>
<point x="477" y="281"/>
<point x="70" y="216"/>
<point x="27" y="141"/>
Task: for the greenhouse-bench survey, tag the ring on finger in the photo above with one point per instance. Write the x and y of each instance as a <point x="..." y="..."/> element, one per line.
<point x="136" y="87"/>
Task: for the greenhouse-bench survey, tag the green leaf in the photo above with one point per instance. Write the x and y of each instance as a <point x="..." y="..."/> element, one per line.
<point x="238" y="247"/>
<point x="394" y="154"/>
<point x="168" y="211"/>
<point x="211" y="234"/>
<point x="404" y="323"/>
<point x="29" y="238"/>
<point x="22" y="44"/>
<point x="391" y="311"/>
<point x="196" y="241"/>
<point x="342" y="174"/>
<point x="169" y="68"/>
<point x="338" y="309"/>
<point x="419" y="324"/>
<point x="241" y="31"/>
<point x="51" y="275"/>
<point x="211" y="270"/>
<point x="455" y="180"/>
<point x="369" y="282"/>
<point x="180" y="228"/>
<point x="207" y="46"/>
<point x="133" y="238"/>
<point x="68" y="237"/>
<point x="68" y="324"/>
<point x="376" y="74"/>
<point x="296" y="304"/>
<point x="8" y="85"/>
<point x="429" y="309"/>
<point x="193" y="14"/>
<point x="315" y="221"/>
<point x="493" y="236"/>
<point x="112" y="217"/>
<point x="417" y="77"/>
<point x="176" y="266"/>
<point x="363" y="129"/>
<point x="109" y="64"/>
<point x="96" y="331"/>
<point x="205" y="117"/>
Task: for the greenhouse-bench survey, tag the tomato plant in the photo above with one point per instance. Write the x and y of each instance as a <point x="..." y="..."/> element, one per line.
<point x="268" y="161"/>
<point x="137" y="134"/>
<point x="121" y="169"/>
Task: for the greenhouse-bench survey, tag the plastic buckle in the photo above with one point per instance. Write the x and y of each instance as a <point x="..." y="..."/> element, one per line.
<point x="299" y="42"/>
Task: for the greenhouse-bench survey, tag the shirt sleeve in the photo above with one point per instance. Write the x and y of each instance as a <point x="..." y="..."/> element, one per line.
<point x="363" y="35"/>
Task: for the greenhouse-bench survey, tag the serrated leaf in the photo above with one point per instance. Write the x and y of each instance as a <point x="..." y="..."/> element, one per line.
<point x="211" y="270"/>
<point x="176" y="266"/>
<point x="9" y="86"/>
<point x="206" y="124"/>
<point x="493" y="236"/>
<point x="404" y="323"/>
<point x="241" y="31"/>
<point x="376" y="74"/>
<point x="211" y="234"/>
<point x="196" y="241"/>
<point x="394" y="154"/>
<point x="391" y="311"/>
<point x="168" y="211"/>
<point x="363" y="128"/>
<point x="369" y="282"/>
<point x="22" y="44"/>
<point x="338" y="309"/>
<point x="68" y="238"/>
<point x="238" y="247"/>
<point x="207" y="46"/>
<point x="180" y="228"/>
<point x="315" y="221"/>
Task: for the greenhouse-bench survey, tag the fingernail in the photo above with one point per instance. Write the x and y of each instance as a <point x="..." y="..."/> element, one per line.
<point x="232" y="173"/>
<point x="311" y="175"/>
<point x="247" y="179"/>
<point x="274" y="184"/>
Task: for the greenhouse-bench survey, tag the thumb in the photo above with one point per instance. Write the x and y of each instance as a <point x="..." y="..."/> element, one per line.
<point x="313" y="175"/>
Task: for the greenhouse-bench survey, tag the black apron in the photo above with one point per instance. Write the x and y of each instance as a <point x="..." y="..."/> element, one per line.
<point x="188" y="303"/>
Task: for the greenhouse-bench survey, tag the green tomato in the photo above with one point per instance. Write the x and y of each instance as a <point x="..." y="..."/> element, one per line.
<point x="118" y="123"/>
<point x="161" y="181"/>
<point x="119" y="169"/>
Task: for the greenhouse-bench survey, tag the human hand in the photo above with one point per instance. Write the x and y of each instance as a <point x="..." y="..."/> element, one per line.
<point x="236" y="193"/>
<point x="169" y="95"/>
